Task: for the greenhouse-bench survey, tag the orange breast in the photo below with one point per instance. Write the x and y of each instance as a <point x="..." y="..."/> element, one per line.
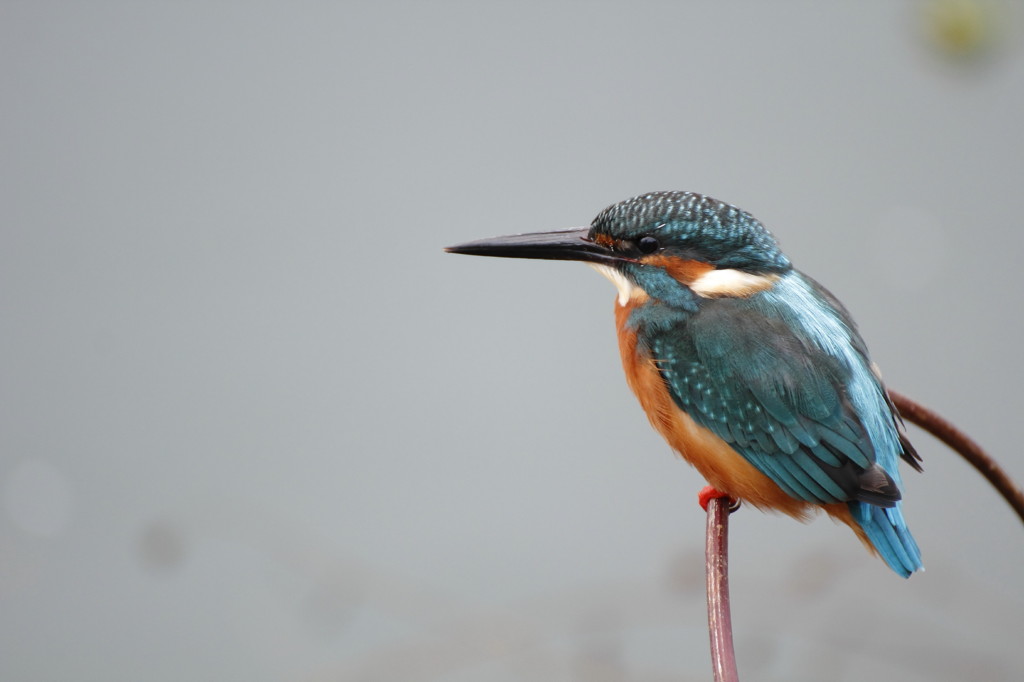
<point x="723" y="467"/>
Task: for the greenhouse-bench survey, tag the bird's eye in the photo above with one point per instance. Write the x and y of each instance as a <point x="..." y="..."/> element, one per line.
<point x="647" y="244"/>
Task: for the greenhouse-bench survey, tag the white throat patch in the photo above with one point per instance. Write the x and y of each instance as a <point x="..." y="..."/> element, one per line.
<point x="625" y="287"/>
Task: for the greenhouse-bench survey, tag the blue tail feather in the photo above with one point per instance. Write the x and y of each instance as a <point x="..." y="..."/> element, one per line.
<point x="889" y="534"/>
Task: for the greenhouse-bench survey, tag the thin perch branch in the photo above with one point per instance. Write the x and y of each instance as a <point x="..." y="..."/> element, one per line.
<point x="959" y="441"/>
<point x="723" y="656"/>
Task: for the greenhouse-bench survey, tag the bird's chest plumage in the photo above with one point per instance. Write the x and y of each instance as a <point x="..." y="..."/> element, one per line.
<point x="714" y="458"/>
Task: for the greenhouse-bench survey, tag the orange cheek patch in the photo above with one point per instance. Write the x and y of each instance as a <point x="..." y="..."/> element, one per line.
<point x="604" y="240"/>
<point x="684" y="271"/>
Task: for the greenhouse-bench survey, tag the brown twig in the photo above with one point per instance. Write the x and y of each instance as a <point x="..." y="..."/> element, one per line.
<point x="723" y="656"/>
<point x="956" y="439"/>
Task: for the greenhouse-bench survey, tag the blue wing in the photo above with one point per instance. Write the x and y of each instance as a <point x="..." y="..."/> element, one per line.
<point x="784" y="378"/>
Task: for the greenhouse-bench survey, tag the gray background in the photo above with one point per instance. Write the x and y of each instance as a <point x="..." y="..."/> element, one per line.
<point x="255" y="425"/>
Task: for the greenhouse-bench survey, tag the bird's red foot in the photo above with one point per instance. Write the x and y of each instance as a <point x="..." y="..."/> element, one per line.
<point x="707" y="493"/>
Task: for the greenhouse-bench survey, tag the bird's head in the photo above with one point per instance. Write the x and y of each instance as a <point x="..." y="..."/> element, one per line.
<point x="668" y="246"/>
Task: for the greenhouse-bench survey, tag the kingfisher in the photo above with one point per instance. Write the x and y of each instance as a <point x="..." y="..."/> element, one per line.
<point x="751" y="370"/>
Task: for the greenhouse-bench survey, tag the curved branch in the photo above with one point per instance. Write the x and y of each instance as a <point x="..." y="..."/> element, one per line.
<point x="959" y="441"/>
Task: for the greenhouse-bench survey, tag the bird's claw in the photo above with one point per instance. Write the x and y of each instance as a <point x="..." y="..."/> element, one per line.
<point x="708" y="493"/>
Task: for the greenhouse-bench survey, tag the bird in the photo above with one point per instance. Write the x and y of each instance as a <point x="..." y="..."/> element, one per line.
<point x="750" y="369"/>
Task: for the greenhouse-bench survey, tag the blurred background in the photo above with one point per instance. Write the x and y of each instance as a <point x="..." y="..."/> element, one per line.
<point x="256" y="425"/>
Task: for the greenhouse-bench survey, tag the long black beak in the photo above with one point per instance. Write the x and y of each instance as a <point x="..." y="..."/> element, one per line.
<point x="572" y="244"/>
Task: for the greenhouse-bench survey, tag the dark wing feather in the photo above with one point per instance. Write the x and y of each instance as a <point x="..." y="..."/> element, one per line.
<point x="776" y="398"/>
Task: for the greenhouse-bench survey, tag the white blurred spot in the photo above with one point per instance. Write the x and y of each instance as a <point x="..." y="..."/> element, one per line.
<point x="912" y="251"/>
<point x="37" y="498"/>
